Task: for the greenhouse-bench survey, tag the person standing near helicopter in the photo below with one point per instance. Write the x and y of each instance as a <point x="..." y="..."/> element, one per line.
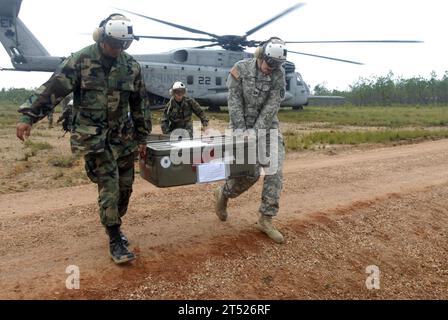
<point x="179" y="111"/>
<point x="108" y="123"/>
<point x="257" y="87"/>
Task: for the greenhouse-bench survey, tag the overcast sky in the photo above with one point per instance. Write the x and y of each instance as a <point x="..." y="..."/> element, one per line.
<point x="59" y="26"/>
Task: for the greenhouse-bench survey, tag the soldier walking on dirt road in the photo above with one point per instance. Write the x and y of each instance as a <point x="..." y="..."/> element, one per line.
<point x="108" y="124"/>
<point x="256" y="89"/>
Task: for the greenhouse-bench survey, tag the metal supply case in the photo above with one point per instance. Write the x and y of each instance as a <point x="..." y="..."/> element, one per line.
<point x="177" y="163"/>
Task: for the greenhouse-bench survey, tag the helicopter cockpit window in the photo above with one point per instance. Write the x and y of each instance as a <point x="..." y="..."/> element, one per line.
<point x="288" y="84"/>
<point x="190" y="80"/>
<point x="299" y="81"/>
<point x="218" y="81"/>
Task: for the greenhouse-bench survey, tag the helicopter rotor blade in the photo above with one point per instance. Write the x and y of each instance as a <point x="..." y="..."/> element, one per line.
<point x="264" y="24"/>
<point x="208" y="46"/>
<point x="359" y="41"/>
<point x="253" y="43"/>
<point x="170" y="24"/>
<point x="175" y="38"/>
<point x="324" y="57"/>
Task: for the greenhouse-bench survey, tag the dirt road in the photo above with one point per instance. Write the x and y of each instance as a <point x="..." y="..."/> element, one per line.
<point x="386" y="207"/>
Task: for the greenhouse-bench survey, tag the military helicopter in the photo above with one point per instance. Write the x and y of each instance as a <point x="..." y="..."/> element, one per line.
<point x="204" y="70"/>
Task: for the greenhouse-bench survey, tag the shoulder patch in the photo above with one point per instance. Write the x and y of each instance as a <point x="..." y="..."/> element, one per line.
<point x="235" y="73"/>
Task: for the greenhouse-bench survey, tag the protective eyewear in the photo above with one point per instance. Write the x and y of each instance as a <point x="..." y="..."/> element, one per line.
<point x="179" y="91"/>
<point x="272" y="63"/>
<point x="118" y="44"/>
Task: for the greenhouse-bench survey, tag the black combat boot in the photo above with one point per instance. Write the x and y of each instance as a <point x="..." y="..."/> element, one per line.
<point x="123" y="237"/>
<point x="118" y="251"/>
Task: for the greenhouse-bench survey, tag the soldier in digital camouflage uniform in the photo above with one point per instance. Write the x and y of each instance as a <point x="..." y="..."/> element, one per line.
<point x="179" y="111"/>
<point x="108" y="122"/>
<point x="256" y="89"/>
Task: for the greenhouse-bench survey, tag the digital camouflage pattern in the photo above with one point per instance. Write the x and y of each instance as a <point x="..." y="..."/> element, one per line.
<point x="254" y="98"/>
<point x="272" y="185"/>
<point x="254" y="102"/>
<point x="108" y="120"/>
<point x="179" y="115"/>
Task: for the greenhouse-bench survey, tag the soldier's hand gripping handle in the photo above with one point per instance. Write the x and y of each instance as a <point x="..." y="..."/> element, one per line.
<point x="142" y="151"/>
<point x="23" y="131"/>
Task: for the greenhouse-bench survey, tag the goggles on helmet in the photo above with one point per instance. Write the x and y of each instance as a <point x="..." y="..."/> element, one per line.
<point x="273" y="63"/>
<point x="118" y="44"/>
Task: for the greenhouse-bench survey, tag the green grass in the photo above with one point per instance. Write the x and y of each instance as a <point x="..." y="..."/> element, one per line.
<point x="8" y="114"/>
<point x="63" y="161"/>
<point x="390" y="117"/>
<point x="37" y="146"/>
<point x="395" y="121"/>
<point x="296" y="142"/>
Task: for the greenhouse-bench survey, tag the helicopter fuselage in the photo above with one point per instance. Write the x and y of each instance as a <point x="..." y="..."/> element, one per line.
<point x="205" y="73"/>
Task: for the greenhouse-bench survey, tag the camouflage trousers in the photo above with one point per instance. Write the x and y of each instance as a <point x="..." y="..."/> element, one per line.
<point x="272" y="186"/>
<point x="113" y="172"/>
<point x="50" y="119"/>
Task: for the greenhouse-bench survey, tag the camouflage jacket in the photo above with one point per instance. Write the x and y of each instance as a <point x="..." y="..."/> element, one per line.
<point x="108" y="100"/>
<point x="66" y="115"/>
<point x="179" y="116"/>
<point x="254" y="98"/>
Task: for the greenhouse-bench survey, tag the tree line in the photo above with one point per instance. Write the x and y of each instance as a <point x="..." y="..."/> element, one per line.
<point x="17" y="96"/>
<point x="376" y="91"/>
<point x="390" y="90"/>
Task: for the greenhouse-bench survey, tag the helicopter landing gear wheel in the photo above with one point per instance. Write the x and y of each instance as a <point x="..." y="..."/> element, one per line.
<point x="297" y="108"/>
<point x="214" y="109"/>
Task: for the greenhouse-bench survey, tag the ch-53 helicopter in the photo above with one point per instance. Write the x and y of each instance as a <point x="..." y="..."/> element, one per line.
<point x="204" y="70"/>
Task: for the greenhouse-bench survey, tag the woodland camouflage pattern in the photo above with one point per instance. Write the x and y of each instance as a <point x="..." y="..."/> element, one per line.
<point x="108" y="120"/>
<point x="101" y="103"/>
<point x="254" y="102"/>
<point x="179" y="115"/>
<point x="66" y="116"/>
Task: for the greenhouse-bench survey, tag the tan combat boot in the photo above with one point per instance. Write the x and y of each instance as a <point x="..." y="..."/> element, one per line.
<point x="264" y="224"/>
<point x="221" y="204"/>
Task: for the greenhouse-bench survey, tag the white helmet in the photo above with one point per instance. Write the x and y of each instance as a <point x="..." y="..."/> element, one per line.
<point x="116" y="30"/>
<point x="275" y="52"/>
<point x="178" y="85"/>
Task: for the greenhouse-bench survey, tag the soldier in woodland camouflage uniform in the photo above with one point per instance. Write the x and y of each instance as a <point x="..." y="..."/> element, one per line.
<point x="179" y="111"/>
<point x="67" y="112"/>
<point x="108" y="121"/>
<point x="50" y="117"/>
<point x="256" y="89"/>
